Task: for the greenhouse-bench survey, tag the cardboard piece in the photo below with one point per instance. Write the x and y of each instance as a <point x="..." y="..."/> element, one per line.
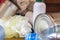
<point x="56" y="17"/>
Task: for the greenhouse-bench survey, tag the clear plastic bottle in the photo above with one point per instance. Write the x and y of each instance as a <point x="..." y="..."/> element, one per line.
<point x="43" y="26"/>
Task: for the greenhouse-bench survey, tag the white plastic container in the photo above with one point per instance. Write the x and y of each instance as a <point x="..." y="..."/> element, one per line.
<point x="39" y="7"/>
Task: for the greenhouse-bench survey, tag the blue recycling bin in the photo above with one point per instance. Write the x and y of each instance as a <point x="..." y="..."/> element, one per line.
<point x="2" y="33"/>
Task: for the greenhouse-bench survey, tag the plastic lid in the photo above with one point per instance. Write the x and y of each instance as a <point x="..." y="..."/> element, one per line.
<point x="31" y="36"/>
<point x="39" y="0"/>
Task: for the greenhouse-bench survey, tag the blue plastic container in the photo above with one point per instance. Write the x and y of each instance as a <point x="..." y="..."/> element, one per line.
<point x="2" y="33"/>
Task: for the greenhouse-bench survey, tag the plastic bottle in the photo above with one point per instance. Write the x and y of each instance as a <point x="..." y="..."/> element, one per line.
<point x="43" y="26"/>
<point x="39" y="7"/>
<point x="7" y="9"/>
<point x="2" y="33"/>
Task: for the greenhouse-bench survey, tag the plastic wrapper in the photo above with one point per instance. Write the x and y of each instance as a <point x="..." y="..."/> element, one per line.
<point x="17" y="25"/>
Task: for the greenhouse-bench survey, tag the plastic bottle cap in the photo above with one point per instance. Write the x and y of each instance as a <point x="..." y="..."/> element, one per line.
<point x="31" y="36"/>
<point x="39" y="0"/>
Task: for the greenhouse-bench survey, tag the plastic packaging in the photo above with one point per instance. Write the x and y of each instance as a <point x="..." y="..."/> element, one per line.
<point x="17" y="25"/>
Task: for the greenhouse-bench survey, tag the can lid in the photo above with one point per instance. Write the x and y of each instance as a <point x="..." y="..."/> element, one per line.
<point x="39" y="0"/>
